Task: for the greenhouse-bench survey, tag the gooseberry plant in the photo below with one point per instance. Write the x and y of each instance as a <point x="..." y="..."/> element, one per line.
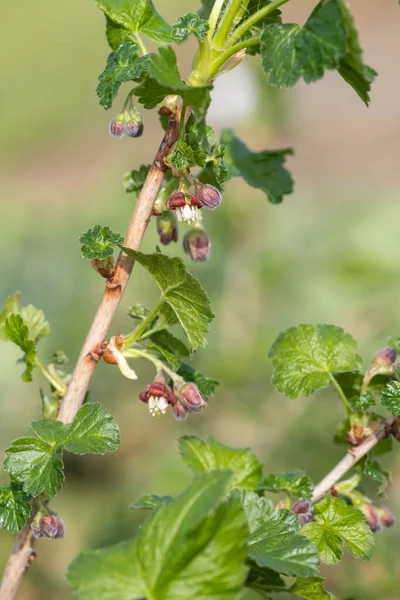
<point x="221" y="536"/>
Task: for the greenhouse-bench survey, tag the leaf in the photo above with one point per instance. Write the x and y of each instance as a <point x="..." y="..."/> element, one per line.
<point x="36" y="322"/>
<point x="163" y="79"/>
<point x="98" y="242"/>
<point x="290" y="52"/>
<point x="10" y="306"/>
<point x="166" y="560"/>
<point x="294" y="482"/>
<point x="136" y="16"/>
<point x="138" y="312"/>
<point x="257" y="29"/>
<point x="151" y="502"/>
<point x="263" y="580"/>
<point x="134" y="180"/>
<point x="310" y="588"/>
<point x="337" y="523"/>
<point x="274" y="540"/>
<point x="391" y="398"/>
<point x="189" y="24"/>
<point x="200" y="148"/>
<point x="362" y="403"/>
<point x="16" y="331"/>
<point x="205" y="384"/>
<point x="305" y="357"/>
<point x="262" y="170"/>
<point x="203" y="456"/>
<point x="168" y="347"/>
<point x="15" y="508"/>
<point x="182" y="292"/>
<point x="370" y="467"/>
<point x="36" y="465"/>
<point x="351" y="67"/>
<point x="123" y="64"/>
<point x="92" y="430"/>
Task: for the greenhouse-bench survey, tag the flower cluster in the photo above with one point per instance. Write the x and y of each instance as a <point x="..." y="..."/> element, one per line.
<point x="185" y="398"/>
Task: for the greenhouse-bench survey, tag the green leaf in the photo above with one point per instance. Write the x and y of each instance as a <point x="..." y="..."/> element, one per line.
<point x="135" y="16"/>
<point x="262" y="170"/>
<point x="337" y="523"/>
<point x="149" y="501"/>
<point x="256" y="30"/>
<point x="92" y="430"/>
<point x="290" y="52"/>
<point x="166" y="560"/>
<point x="138" y="312"/>
<point x="370" y="467"/>
<point x="305" y="357"/>
<point x="201" y="149"/>
<point x="11" y="306"/>
<point x="15" y="508"/>
<point x="124" y="64"/>
<point x="16" y="331"/>
<point x="168" y="347"/>
<point x="294" y="482"/>
<point x="205" y="384"/>
<point x="274" y="540"/>
<point x="189" y="24"/>
<point x="182" y="292"/>
<point x="391" y="398"/>
<point x="203" y="456"/>
<point x="351" y="67"/>
<point x="36" y="322"/>
<point x="362" y="403"/>
<point x="36" y="465"/>
<point x="310" y="588"/>
<point x="163" y="79"/>
<point x="263" y="580"/>
<point x="98" y="242"/>
<point x="134" y="180"/>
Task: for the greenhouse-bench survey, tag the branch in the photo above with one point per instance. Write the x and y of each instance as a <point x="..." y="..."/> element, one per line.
<point x="352" y="457"/>
<point x="23" y="553"/>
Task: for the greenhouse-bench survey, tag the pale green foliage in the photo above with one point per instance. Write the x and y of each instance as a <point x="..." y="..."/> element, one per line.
<point x="293" y="482"/>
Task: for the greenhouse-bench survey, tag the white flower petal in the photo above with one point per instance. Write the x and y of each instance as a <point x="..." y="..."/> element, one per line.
<point x="121" y="361"/>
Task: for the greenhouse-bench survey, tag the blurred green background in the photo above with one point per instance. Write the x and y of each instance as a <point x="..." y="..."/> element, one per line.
<point x="329" y="253"/>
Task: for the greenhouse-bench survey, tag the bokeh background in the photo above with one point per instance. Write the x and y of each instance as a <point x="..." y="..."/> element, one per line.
<point x="329" y="253"/>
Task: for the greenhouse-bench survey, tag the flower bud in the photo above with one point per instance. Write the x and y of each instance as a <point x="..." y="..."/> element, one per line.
<point x="105" y="267"/>
<point x="197" y="245"/>
<point x="387" y="518"/>
<point x="208" y="196"/>
<point x="117" y="126"/>
<point x="52" y="526"/>
<point x="371" y="516"/>
<point x="385" y="358"/>
<point x="180" y="412"/>
<point x="134" y="125"/>
<point x="190" y="396"/>
<point x="304" y="511"/>
<point x="167" y="228"/>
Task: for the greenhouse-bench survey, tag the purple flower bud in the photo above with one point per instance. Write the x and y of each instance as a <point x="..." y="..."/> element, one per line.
<point x="304" y="511"/>
<point x="372" y="517"/>
<point x="190" y="396"/>
<point x="37" y="531"/>
<point x="134" y="126"/>
<point x="52" y="526"/>
<point x="386" y="516"/>
<point x="180" y="412"/>
<point x="167" y="228"/>
<point x="117" y="127"/>
<point x="385" y="358"/>
<point x="197" y="245"/>
<point x="208" y="196"/>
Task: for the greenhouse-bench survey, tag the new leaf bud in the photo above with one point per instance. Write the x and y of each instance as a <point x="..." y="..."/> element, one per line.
<point x="167" y="228"/>
<point x="208" y="196"/>
<point x="190" y="396"/>
<point x="117" y="126"/>
<point x="197" y="245"/>
<point x="105" y="267"/>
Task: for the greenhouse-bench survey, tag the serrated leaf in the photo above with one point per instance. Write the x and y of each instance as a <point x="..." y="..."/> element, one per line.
<point x="136" y="16"/>
<point x="274" y="540"/>
<point x="337" y="523"/>
<point x="256" y="31"/>
<point x="205" y="384"/>
<point x="168" y="347"/>
<point x="263" y="580"/>
<point x="99" y="242"/>
<point x="361" y="404"/>
<point x="189" y="24"/>
<point x="138" y="312"/>
<point x="11" y="306"/>
<point x="163" y="78"/>
<point x="305" y="357"/>
<point x="294" y="482"/>
<point x="182" y="292"/>
<point x="310" y="588"/>
<point x="16" y="331"/>
<point x="123" y="64"/>
<point x="391" y="398"/>
<point x="351" y="67"/>
<point x="134" y="180"/>
<point x="290" y="52"/>
<point x="15" y="508"/>
<point x="36" y="322"/>
<point x="166" y="560"/>
<point x="206" y="455"/>
<point x="151" y="502"/>
<point x="370" y="467"/>
<point x="92" y="430"/>
<point x="262" y="170"/>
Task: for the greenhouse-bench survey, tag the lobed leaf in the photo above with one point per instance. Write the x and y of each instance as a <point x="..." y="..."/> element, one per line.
<point x="391" y="398"/>
<point x="36" y="322"/>
<point x="203" y="456"/>
<point x="293" y="482"/>
<point x="16" y="331"/>
<point x="99" y="241"/>
<point x="93" y="430"/>
<point x="205" y="384"/>
<point x="305" y="357"/>
<point x="189" y="24"/>
<point x="15" y="508"/>
<point x="11" y="306"/>
<point x="310" y="588"/>
<point x="134" y="180"/>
